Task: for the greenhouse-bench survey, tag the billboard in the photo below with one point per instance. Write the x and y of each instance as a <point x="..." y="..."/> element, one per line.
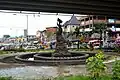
<point x="25" y="32"/>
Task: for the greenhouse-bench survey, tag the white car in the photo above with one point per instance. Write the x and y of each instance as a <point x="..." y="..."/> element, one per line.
<point x="96" y="43"/>
<point x="30" y="47"/>
<point x="2" y="48"/>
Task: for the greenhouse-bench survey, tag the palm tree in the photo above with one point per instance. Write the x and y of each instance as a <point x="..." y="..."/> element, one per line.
<point x="77" y="32"/>
<point x="100" y="28"/>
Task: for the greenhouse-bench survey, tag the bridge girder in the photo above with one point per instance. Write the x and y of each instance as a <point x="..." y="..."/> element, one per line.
<point x="89" y="7"/>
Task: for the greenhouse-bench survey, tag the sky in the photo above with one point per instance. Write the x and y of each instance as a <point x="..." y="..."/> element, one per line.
<point x="14" y="24"/>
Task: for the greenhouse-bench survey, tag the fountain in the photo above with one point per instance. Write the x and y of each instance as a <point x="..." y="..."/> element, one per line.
<point x="61" y="54"/>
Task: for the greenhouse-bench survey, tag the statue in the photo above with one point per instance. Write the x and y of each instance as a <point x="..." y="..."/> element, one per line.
<point x="59" y="32"/>
<point x="61" y="47"/>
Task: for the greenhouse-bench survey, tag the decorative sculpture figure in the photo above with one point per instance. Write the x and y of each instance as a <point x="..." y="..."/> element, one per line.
<point x="61" y="47"/>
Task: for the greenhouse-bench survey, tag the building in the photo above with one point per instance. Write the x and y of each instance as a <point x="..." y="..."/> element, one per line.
<point x="51" y="29"/>
<point x="109" y="33"/>
<point x="50" y="33"/>
<point x="88" y="23"/>
<point x="31" y="37"/>
<point x="70" y="26"/>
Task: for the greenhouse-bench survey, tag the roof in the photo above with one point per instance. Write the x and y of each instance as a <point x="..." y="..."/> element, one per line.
<point x="72" y="21"/>
<point x="50" y="27"/>
<point x="65" y="24"/>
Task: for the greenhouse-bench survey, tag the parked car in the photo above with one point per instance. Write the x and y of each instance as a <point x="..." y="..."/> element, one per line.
<point x="30" y="47"/>
<point x="95" y="43"/>
<point x="2" y="48"/>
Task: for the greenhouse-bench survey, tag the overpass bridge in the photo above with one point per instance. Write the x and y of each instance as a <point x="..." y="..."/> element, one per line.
<point x="88" y="7"/>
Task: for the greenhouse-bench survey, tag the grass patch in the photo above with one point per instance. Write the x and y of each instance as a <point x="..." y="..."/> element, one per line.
<point x="6" y="78"/>
<point x="80" y="77"/>
<point x="75" y="78"/>
<point x="4" y="52"/>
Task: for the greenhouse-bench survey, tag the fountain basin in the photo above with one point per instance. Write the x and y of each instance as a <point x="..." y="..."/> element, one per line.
<point x="47" y="59"/>
<point x="73" y="56"/>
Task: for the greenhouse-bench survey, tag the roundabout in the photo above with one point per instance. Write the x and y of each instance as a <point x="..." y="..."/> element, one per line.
<point x="61" y="55"/>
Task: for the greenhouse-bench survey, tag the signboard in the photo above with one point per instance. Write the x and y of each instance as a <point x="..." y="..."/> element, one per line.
<point x="113" y="28"/>
<point x="25" y="32"/>
<point x="111" y="20"/>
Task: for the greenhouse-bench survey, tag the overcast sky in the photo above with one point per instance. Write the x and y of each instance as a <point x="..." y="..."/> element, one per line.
<point x="14" y="25"/>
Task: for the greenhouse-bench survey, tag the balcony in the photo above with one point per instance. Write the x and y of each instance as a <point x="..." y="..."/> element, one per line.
<point x="84" y="23"/>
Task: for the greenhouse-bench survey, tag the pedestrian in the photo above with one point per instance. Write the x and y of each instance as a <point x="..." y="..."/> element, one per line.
<point x="51" y="45"/>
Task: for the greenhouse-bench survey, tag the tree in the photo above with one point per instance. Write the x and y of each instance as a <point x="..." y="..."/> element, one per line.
<point x="6" y="36"/>
<point x="77" y="33"/>
<point x="50" y="34"/>
<point x="99" y="28"/>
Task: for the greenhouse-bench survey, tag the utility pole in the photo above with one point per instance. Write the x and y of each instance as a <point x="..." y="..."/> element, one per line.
<point x="27" y="27"/>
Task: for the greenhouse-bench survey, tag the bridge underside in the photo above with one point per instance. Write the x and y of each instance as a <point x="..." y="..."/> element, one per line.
<point x="88" y="7"/>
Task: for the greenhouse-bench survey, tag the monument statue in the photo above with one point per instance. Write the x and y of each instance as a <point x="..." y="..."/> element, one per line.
<point x="61" y="43"/>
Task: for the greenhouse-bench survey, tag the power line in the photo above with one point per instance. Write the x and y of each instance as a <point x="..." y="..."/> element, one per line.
<point x="40" y="13"/>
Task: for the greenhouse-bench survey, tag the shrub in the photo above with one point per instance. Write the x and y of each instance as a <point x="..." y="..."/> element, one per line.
<point x="6" y="78"/>
<point x="3" y="52"/>
<point x="20" y="50"/>
<point x="116" y="70"/>
<point x="117" y="49"/>
<point x="95" y="65"/>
